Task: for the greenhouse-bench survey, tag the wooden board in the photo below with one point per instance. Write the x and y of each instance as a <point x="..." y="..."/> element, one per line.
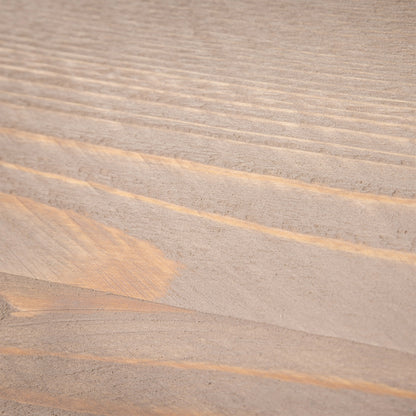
<point x="207" y="208"/>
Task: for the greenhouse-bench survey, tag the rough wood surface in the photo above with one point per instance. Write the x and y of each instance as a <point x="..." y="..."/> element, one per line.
<point x="207" y="208"/>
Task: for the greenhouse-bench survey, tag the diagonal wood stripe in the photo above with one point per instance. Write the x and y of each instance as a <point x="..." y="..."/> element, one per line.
<point x="127" y="84"/>
<point x="213" y="170"/>
<point x="76" y="250"/>
<point x="324" y="381"/>
<point x="327" y="243"/>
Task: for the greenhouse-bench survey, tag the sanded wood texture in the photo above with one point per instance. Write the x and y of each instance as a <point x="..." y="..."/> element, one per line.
<point x="207" y="207"/>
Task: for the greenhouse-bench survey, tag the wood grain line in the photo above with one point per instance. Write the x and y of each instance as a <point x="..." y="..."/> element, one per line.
<point x="154" y="45"/>
<point x="151" y="46"/>
<point x="193" y="45"/>
<point x="210" y="169"/>
<point x="128" y="85"/>
<point x="151" y="69"/>
<point x="38" y="46"/>
<point x="216" y="137"/>
<point x="76" y="250"/>
<point x="326" y="243"/>
<point x="200" y="97"/>
<point x="286" y="376"/>
<point x="204" y="125"/>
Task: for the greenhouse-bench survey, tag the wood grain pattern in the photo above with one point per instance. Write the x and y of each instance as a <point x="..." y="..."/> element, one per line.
<point x="65" y="247"/>
<point x="207" y="208"/>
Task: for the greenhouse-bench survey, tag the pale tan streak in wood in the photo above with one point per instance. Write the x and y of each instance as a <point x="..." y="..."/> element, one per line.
<point x="245" y="117"/>
<point x="152" y="46"/>
<point x="235" y="115"/>
<point x="326" y="243"/>
<point x="193" y="47"/>
<point x="25" y="46"/>
<point x="268" y="86"/>
<point x="206" y="111"/>
<point x="289" y="376"/>
<point x="205" y="98"/>
<point x="212" y="138"/>
<point x="79" y="251"/>
<point x="244" y="103"/>
<point x="210" y="169"/>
